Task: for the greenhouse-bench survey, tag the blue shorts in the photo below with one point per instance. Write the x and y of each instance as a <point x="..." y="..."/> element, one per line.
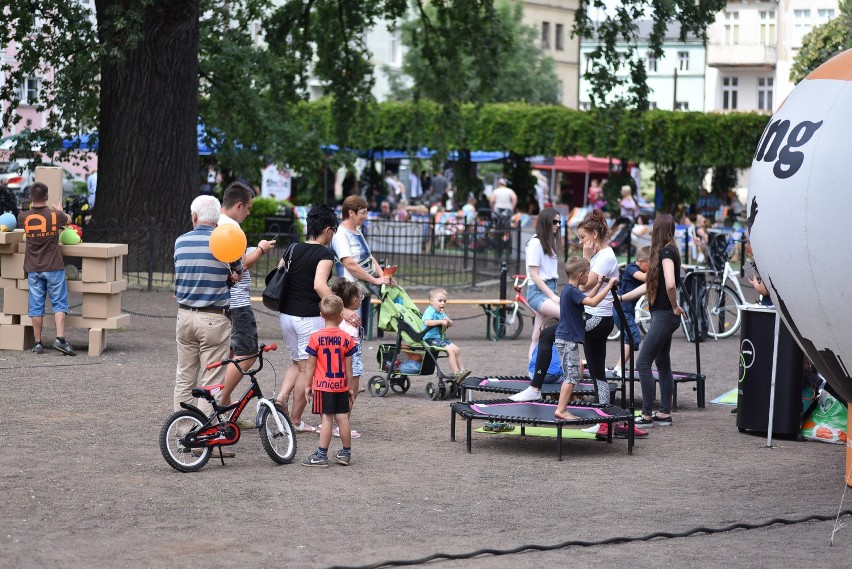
<point x="632" y="328"/>
<point x="357" y="364"/>
<point x="438" y="342"/>
<point x="47" y="283"/>
<point x="535" y="297"/>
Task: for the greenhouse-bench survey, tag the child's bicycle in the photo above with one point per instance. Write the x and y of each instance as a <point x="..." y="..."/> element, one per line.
<point x="188" y="437"/>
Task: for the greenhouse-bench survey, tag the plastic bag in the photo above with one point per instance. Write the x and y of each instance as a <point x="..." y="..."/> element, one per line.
<point x="827" y="422"/>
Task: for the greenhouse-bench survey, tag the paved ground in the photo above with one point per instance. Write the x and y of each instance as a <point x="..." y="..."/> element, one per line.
<point x="84" y="484"/>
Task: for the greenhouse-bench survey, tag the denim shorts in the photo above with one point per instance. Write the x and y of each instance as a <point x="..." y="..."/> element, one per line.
<point x="535" y="297"/>
<point x="47" y="283"/>
<point x="357" y="364"/>
<point x="438" y="342"/>
<point x="632" y="328"/>
<point x="243" y="331"/>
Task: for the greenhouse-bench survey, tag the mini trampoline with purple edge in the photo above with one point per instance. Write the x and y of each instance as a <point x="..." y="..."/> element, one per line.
<point x="537" y="414"/>
<point x="508" y="384"/>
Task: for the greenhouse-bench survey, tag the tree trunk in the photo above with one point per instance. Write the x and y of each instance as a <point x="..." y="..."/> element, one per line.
<point x="148" y="149"/>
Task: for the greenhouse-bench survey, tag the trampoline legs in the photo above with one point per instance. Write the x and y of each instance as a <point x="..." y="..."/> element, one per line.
<point x="523" y="429"/>
<point x="674" y="395"/>
<point x="699" y="388"/>
<point x="631" y="422"/>
<point x="559" y="442"/>
<point x="452" y="425"/>
<point x="469" y="434"/>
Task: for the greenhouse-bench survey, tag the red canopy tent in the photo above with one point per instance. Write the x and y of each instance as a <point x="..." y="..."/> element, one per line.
<point x="577" y="171"/>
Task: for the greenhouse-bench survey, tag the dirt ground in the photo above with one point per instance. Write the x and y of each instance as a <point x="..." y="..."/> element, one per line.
<point x="84" y="483"/>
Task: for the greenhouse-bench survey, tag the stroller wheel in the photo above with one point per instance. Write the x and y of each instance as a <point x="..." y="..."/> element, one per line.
<point x="432" y="392"/>
<point x="401" y="385"/>
<point x="377" y="386"/>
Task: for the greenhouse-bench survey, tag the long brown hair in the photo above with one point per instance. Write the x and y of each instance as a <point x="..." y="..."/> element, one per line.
<point x="661" y="235"/>
<point x="595" y="221"/>
<point x="544" y="231"/>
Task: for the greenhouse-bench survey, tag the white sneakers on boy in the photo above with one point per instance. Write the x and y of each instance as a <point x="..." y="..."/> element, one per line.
<point x="528" y="394"/>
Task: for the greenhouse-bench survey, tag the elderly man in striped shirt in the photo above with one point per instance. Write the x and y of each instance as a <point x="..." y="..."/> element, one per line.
<point x="202" y="285"/>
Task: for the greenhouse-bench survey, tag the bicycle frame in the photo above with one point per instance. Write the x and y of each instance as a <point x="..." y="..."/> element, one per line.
<point x="520" y="300"/>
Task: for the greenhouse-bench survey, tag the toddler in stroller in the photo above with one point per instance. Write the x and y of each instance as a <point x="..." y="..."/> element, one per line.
<point x="410" y="354"/>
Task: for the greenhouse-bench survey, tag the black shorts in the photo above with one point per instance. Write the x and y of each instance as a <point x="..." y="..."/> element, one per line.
<point x="243" y="331"/>
<point x="330" y="402"/>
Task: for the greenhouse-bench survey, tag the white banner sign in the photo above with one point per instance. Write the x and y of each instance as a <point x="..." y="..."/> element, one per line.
<point x="276" y="183"/>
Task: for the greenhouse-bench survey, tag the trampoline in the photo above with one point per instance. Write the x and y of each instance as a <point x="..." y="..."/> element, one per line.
<point x="679" y="377"/>
<point x="511" y="384"/>
<point x="537" y="414"/>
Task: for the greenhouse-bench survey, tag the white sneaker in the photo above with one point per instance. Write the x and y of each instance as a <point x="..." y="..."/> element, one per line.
<point x="528" y="394"/>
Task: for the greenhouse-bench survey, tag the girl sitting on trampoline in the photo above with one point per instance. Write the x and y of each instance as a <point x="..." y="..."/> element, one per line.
<point x="571" y="330"/>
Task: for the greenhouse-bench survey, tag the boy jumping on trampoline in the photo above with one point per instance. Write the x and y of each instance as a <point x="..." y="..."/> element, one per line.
<point x="330" y="365"/>
<point x="437" y="322"/>
<point x="571" y="330"/>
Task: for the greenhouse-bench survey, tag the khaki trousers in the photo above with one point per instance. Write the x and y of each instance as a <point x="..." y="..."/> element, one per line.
<point x="202" y="338"/>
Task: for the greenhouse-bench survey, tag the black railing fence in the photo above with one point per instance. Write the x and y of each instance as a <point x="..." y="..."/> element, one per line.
<point x="426" y="253"/>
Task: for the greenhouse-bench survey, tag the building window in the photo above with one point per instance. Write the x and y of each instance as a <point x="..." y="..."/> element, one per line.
<point x="559" y="40"/>
<point x="767" y="27"/>
<point x="560" y="90"/>
<point x="732" y="28"/>
<point x="545" y="35"/>
<point x="801" y="25"/>
<point x="729" y="93"/>
<point x="585" y="106"/>
<point x="824" y="16"/>
<point x="652" y="105"/>
<point x="651" y="63"/>
<point x="683" y="61"/>
<point x="29" y="91"/>
<point x="765" y="87"/>
<point x="588" y="65"/>
<point x="395" y="47"/>
<point x="682" y="106"/>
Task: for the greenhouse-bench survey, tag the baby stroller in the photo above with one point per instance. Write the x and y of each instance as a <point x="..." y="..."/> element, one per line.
<point x="409" y="355"/>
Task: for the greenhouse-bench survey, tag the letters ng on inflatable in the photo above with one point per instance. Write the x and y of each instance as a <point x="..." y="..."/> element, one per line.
<point x="798" y="216"/>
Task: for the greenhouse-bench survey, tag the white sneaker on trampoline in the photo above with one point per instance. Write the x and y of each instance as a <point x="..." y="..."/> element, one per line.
<point x="528" y="394"/>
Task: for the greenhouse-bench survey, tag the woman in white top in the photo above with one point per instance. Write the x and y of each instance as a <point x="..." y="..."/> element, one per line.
<point x="594" y="233"/>
<point x="542" y="259"/>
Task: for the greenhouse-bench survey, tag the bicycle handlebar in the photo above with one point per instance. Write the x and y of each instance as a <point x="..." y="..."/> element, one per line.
<point x="263" y="348"/>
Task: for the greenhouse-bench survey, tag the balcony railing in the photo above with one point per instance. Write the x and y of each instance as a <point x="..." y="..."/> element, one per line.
<point x="742" y="55"/>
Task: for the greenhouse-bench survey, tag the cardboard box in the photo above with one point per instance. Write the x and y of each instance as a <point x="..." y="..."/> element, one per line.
<point x="16" y="337"/>
<point x="10" y="319"/>
<point x="73" y="321"/>
<point x="9" y="237"/>
<point x="94" y="250"/>
<point x="97" y="341"/>
<point x="101" y="288"/>
<point x="10" y="283"/>
<point x="101" y="305"/>
<point x="15" y="301"/>
<point x="51" y="176"/>
<point x="12" y="266"/>
<point x="100" y="270"/>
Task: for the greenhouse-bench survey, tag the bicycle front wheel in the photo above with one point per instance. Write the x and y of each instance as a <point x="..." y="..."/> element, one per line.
<point x="178" y="456"/>
<point x="279" y="444"/>
<point x="642" y="314"/>
<point x="723" y="310"/>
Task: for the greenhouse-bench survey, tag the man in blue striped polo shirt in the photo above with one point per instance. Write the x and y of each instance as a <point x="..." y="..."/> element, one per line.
<point x="203" y="328"/>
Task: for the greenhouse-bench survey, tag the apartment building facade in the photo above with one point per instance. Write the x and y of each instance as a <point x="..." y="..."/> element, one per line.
<point x="554" y="19"/>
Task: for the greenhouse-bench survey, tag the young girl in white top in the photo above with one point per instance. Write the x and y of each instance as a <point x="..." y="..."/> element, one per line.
<point x="542" y="257"/>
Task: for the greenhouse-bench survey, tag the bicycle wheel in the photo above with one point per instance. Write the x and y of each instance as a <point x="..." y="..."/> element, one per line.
<point x="509" y="330"/>
<point x="179" y="457"/>
<point x="723" y="310"/>
<point x="279" y="445"/>
<point x="616" y="332"/>
<point x="642" y="314"/>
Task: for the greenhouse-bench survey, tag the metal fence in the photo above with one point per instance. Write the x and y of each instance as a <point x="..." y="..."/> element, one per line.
<point x="427" y="253"/>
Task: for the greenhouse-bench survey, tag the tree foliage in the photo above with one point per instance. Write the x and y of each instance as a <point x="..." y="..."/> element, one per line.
<point x="519" y="70"/>
<point x="618" y="27"/>
<point x="823" y="42"/>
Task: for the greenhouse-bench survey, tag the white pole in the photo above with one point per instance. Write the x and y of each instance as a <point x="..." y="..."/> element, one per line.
<point x="772" y="385"/>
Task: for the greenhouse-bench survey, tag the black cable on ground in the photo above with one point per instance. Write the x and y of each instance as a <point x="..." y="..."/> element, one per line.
<point x="609" y="541"/>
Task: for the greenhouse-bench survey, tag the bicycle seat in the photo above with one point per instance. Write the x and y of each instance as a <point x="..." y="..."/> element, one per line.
<point x="207" y="390"/>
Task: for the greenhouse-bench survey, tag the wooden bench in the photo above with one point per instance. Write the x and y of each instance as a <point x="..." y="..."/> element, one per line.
<point x="491" y="307"/>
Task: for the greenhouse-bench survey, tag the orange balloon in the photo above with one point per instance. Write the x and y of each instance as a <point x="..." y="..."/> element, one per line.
<point x="228" y="243"/>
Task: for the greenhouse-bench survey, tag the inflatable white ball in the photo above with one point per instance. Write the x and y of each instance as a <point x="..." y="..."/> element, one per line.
<point x="799" y="216"/>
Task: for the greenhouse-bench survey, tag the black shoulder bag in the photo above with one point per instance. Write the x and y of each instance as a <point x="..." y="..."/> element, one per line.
<point x="276" y="281"/>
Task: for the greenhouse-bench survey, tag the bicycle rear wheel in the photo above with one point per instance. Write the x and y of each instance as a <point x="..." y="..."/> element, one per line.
<point x="179" y="457"/>
<point x="723" y="310"/>
<point x="279" y="444"/>
<point x="509" y="330"/>
<point x="642" y="314"/>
